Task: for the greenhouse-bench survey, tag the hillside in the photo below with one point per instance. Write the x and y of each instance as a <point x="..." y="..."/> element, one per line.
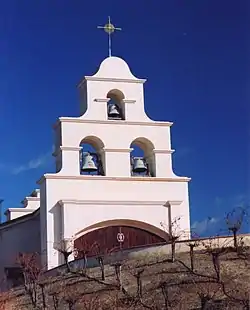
<point x="220" y="279"/>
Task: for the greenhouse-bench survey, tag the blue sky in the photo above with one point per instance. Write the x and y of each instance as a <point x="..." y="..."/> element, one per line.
<point x="193" y="54"/>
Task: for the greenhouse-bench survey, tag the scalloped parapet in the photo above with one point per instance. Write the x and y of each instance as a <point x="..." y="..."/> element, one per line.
<point x="115" y="67"/>
<point x="113" y="78"/>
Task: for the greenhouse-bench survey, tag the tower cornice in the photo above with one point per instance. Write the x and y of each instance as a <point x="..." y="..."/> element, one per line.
<point x="106" y="178"/>
<point x="108" y="79"/>
<point x="118" y="122"/>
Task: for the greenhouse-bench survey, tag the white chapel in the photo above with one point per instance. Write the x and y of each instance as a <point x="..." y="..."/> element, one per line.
<point x="100" y="181"/>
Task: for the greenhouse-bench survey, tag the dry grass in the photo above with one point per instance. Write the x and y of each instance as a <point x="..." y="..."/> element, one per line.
<point x="148" y="283"/>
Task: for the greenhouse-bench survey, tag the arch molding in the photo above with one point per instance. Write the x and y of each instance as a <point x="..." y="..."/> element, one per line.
<point x="101" y="238"/>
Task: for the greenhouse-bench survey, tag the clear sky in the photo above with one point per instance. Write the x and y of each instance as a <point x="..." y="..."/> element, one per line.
<point x="194" y="54"/>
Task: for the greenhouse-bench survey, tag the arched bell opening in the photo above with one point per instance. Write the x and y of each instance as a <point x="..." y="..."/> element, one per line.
<point x="142" y="158"/>
<point x="115" y="237"/>
<point x="92" y="161"/>
<point x="115" y="105"/>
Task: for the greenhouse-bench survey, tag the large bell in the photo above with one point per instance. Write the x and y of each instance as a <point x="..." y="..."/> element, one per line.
<point x="88" y="164"/>
<point x="113" y="112"/>
<point x="139" y="165"/>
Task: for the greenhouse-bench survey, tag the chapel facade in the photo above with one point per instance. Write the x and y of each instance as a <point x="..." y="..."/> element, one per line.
<point x="103" y="188"/>
<point x="113" y="178"/>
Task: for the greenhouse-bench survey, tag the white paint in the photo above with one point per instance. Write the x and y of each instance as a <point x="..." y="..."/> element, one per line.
<point x="18" y="236"/>
<point x="72" y="204"/>
<point x="30" y="204"/>
<point x="13" y="213"/>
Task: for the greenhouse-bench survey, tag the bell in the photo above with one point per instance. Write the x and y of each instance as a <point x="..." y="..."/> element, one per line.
<point x="88" y="164"/>
<point x="139" y="165"/>
<point x="113" y="112"/>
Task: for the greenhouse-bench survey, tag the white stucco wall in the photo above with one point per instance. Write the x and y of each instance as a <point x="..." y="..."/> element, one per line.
<point x="32" y="201"/>
<point x="116" y="138"/>
<point x="88" y="200"/>
<point x="71" y="203"/>
<point x="20" y="236"/>
<point x="30" y="204"/>
<point x="13" y="213"/>
<point x="113" y="73"/>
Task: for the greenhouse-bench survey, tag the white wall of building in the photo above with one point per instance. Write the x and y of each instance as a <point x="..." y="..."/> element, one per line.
<point x="30" y="204"/>
<point x="116" y="138"/>
<point x="73" y="204"/>
<point x="87" y="200"/>
<point x="22" y="235"/>
<point x="113" y="73"/>
<point x="13" y="213"/>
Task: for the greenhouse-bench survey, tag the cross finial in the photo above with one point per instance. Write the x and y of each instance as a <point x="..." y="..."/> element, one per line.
<point x="109" y="28"/>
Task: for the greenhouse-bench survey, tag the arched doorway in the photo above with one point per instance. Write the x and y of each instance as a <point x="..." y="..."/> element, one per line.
<point x="105" y="240"/>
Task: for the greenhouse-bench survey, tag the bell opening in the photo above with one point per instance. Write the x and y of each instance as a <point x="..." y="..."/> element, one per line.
<point x="114" y="112"/>
<point x="142" y="158"/>
<point x="90" y="160"/>
<point x="139" y="166"/>
<point x="115" y="105"/>
<point x="89" y="164"/>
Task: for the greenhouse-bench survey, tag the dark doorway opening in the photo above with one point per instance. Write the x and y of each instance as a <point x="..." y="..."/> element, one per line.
<point x="106" y="240"/>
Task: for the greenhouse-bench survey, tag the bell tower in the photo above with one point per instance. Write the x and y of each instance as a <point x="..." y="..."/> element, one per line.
<point x="112" y="119"/>
<point x="113" y="82"/>
<point x="113" y="166"/>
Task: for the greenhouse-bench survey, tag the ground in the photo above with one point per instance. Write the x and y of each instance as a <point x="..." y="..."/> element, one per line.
<point x="220" y="279"/>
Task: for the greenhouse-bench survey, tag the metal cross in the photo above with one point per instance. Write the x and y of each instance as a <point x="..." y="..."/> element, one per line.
<point x="109" y="28"/>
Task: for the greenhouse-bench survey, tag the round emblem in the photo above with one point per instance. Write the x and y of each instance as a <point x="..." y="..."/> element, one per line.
<point x="109" y="28"/>
<point x="120" y="237"/>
